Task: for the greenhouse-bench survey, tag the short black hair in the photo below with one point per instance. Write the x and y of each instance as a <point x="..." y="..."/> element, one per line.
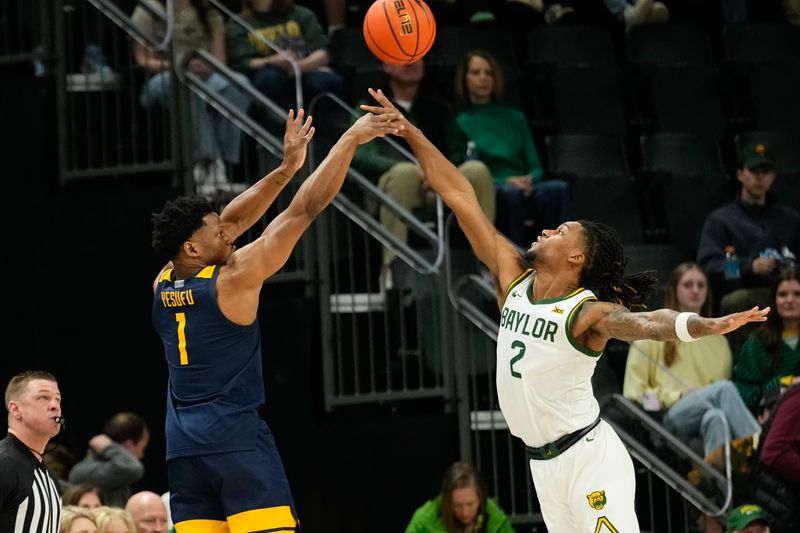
<point x="176" y="222"/>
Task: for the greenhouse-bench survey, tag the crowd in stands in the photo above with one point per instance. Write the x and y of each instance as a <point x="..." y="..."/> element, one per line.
<point x="740" y="392"/>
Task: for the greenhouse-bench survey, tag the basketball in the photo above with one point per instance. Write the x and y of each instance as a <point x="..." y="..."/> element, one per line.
<point x="399" y="31"/>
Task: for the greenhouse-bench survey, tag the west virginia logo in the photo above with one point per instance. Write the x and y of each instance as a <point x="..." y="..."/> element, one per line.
<point x="760" y="149"/>
<point x="597" y="499"/>
<point x="557" y="310"/>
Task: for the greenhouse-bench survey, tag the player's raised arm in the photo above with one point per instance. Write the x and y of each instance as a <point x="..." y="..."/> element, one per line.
<point x="260" y="259"/>
<point x="599" y="321"/>
<point x="493" y="250"/>
<point x="249" y="206"/>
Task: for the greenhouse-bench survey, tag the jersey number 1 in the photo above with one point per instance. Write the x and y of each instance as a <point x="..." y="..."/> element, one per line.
<point x="180" y="318"/>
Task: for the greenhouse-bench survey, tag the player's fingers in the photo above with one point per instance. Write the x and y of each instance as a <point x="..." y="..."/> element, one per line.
<point x="306" y="125"/>
<point x="380" y="97"/>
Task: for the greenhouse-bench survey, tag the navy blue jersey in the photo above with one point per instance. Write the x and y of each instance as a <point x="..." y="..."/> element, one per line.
<point x="215" y="383"/>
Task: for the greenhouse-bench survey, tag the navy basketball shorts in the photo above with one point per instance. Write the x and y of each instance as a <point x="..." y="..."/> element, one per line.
<point x="240" y="491"/>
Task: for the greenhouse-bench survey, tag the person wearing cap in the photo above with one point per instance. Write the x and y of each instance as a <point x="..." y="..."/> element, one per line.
<point x="764" y="233"/>
<point x="747" y="519"/>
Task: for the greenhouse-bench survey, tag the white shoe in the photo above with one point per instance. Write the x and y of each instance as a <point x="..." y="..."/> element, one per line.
<point x="638" y="13"/>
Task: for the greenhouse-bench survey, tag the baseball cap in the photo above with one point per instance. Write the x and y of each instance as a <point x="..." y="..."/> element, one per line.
<point x="756" y="154"/>
<point x="743" y="515"/>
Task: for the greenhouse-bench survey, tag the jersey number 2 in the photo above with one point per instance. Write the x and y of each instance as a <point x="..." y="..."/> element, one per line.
<point x="180" y="318"/>
<point x="520" y="347"/>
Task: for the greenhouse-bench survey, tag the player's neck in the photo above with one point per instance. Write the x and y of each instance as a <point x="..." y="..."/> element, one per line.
<point x="549" y="285"/>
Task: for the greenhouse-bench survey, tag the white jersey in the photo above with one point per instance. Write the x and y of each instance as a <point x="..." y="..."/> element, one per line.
<point x="543" y="373"/>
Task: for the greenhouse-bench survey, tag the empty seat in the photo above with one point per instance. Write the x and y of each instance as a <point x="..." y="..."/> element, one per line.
<point x="570" y="46"/>
<point x="453" y="43"/>
<point x="601" y="184"/>
<point x="762" y="42"/>
<point x="774" y="90"/>
<point x="687" y="98"/>
<point x="690" y="182"/>
<point x="786" y="146"/>
<point x="589" y="100"/>
<point x="683" y="153"/>
<point x="669" y="44"/>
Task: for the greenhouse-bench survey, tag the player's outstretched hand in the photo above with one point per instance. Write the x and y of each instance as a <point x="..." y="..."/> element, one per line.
<point x="379" y="121"/>
<point x="728" y="323"/>
<point x="386" y="104"/>
<point x="295" y="140"/>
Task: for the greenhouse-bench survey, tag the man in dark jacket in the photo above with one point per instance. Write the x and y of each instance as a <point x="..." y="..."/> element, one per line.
<point x="764" y="234"/>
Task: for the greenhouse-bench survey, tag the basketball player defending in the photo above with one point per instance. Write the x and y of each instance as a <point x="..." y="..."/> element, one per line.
<point x="224" y="471"/>
<point x="555" y="321"/>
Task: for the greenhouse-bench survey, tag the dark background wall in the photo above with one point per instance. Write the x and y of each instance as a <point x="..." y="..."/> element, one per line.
<point x="78" y="269"/>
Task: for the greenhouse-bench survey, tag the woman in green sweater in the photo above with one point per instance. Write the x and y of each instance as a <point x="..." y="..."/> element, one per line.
<point x="770" y="358"/>
<point x="462" y="506"/>
<point x="498" y="135"/>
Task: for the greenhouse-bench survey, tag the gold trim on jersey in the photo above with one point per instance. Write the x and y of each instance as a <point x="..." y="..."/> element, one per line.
<point x="518" y="280"/>
<point x="571" y="338"/>
<point x="529" y="292"/>
<point x="207" y="272"/>
<point x="166" y="275"/>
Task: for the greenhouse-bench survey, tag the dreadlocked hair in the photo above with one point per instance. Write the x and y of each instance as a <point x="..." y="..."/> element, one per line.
<point x="604" y="271"/>
<point x="176" y="222"/>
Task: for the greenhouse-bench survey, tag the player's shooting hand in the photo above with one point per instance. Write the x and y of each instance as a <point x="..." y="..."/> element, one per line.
<point x="387" y="106"/>
<point x="726" y="324"/>
<point x="379" y="121"/>
<point x="295" y="140"/>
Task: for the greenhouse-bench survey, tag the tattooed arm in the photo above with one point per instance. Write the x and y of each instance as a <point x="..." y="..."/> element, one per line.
<point x="597" y="322"/>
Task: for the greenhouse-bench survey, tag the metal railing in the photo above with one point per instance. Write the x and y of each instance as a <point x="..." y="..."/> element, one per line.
<point x="392" y="345"/>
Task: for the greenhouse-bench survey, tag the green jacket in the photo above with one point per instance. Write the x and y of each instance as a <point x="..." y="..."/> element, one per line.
<point x="426" y="519"/>
<point x="299" y="30"/>
<point x="753" y="373"/>
<point x="502" y="138"/>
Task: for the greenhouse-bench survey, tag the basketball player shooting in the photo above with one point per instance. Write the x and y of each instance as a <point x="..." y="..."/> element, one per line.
<point x="561" y="301"/>
<point x="224" y="471"/>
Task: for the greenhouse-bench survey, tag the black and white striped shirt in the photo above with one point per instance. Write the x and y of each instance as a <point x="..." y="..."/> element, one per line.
<point x="30" y="498"/>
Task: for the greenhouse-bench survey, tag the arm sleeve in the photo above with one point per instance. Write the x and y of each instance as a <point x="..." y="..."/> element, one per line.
<point x="781" y="451"/>
<point x="111" y="469"/>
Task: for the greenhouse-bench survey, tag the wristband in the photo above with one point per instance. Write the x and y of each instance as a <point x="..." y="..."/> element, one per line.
<point x="682" y="327"/>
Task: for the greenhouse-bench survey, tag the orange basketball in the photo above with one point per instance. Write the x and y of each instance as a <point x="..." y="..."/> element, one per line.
<point x="399" y="31"/>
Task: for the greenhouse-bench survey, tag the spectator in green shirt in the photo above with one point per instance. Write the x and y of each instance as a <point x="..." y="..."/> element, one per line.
<point x="462" y="506"/>
<point x="770" y="358"/>
<point x="297" y="32"/>
<point x="498" y="135"/>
